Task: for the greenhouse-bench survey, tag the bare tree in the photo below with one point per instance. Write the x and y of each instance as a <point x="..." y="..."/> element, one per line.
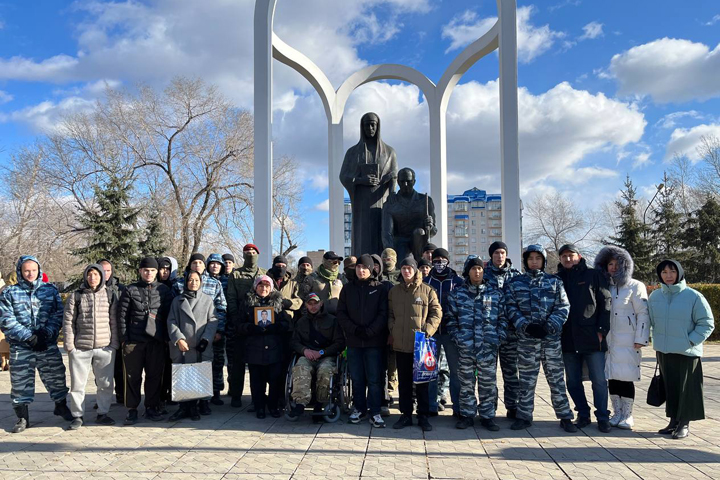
<point x="683" y="177"/>
<point x="709" y="174"/>
<point x="286" y="207"/>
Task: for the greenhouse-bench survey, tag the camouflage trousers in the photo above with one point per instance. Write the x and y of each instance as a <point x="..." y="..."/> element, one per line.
<point x="218" y="365"/>
<point x="49" y="364"/>
<point x="508" y="356"/>
<point x="481" y="374"/>
<point x="302" y="375"/>
<point x="531" y="353"/>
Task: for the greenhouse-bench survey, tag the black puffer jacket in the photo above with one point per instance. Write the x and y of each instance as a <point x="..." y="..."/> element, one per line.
<point x="363" y="313"/>
<point x="144" y="309"/>
<point x="589" y="295"/>
<point x="263" y="345"/>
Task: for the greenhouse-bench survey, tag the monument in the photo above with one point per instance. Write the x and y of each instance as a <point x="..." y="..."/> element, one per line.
<point x="408" y="218"/>
<point x="369" y="174"/>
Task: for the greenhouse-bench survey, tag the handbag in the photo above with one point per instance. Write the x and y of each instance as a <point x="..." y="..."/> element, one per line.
<point x="424" y="359"/>
<point x="191" y="381"/>
<point x="656" y="391"/>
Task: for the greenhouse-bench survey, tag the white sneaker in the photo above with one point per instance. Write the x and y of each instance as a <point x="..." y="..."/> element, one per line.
<point x="357" y="416"/>
<point x="377" y="421"/>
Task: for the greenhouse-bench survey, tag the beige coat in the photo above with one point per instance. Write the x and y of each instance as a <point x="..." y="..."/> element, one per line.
<point x="412" y="307"/>
<point x="90" y="320"/>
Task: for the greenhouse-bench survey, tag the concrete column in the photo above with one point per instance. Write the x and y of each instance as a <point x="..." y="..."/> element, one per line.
<point x="438" y="170"/>
<point x="509" y="153"/>
<point x="336" y="191"/>
<point x="263" y="184"/>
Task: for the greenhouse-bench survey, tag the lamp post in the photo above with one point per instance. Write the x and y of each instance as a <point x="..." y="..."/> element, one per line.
<point x="659" y="187"/>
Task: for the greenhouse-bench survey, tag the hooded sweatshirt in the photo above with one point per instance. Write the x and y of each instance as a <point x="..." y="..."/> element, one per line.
<point x="28" y="307"/>
<point x="90" y="318"/>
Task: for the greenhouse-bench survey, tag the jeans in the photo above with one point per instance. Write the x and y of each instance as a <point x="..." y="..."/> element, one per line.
<point x="596" y="368"/>
<point x="367" y="371"/>
<point x="453" y="360"/>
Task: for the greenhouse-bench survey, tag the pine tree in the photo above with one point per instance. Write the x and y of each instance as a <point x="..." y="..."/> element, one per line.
<point x="154" y="244"/>
<point x="632" y="233"/>
<point x="667" y="225"/>
<point x="112" y="229"/>
<point x="701" y="238"/>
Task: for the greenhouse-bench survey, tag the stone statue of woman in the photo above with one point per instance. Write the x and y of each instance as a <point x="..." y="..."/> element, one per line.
<point x="369" y="173"/>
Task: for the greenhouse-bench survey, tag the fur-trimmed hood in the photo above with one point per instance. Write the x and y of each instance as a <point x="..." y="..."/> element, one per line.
<point x="626" y="266"/>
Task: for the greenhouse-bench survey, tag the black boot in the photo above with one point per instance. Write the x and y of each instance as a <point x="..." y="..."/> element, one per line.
<point x="183" y="411"/>
<point x="204" y="407"/>
<point x="23" y="418"/>
<point x="216" y="399"/>
<point x="62" y="410"/>
<point x="682" y="430"/>
<point x="670" y="427"/>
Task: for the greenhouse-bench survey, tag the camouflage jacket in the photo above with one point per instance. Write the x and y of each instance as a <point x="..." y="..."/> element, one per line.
<point x="240" y="284"/>
<point x="476" y="319"/>
<point x="28" y="307"/>
<point x="537" y="297"/>
<point x="212" y="287"/>
<point x="498" y="277"/>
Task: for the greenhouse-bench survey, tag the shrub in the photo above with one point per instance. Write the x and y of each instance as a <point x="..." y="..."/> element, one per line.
<point x="711" y="291"/>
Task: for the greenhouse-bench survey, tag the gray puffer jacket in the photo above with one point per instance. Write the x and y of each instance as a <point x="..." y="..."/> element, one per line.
<point x="90" y="317"/>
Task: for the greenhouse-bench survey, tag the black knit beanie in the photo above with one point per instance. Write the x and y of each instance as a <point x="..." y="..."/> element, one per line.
<point x="149" y="262"/>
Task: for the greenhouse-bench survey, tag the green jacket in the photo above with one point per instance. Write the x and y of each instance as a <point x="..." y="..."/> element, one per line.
<point x="680" y="319"/>
<point x="239" y="284"/>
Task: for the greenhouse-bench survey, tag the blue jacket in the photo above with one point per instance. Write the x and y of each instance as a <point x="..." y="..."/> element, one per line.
<point x="28" y="307"/>
<point x="680" y="319"/>
<point x="212" y="287"/>
<point x="443" y="287"/>
<point x="537" y="297"/>
<point x="476" y="319"/>
<point x="498" y="277"/>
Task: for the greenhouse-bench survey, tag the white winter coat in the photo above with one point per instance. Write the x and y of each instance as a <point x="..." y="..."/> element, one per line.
<point x="629" y="324"/>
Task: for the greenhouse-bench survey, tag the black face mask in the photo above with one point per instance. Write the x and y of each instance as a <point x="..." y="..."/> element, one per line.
<point x="278" y="272"/>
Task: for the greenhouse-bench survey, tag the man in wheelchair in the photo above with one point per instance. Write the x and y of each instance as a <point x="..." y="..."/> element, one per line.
<point x="318" y="340"/>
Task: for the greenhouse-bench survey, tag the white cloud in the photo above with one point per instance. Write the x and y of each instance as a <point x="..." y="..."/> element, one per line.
<point x="323" y="206"/>
<point x="586" y="174"/>
<point x="45" y="116"/>
<point x="641" y="160"/>
<point x="5" y="97"/>
<point x="669" y="70"/>
<point x="532" y="41"/>
<point x="713" y="21"/>
<point x="591" y="31"/>
<point x="319" y="181"/>
<point x="685" y="141"/>
<point x="671" y="119"/>
<point x="54" y="69"/>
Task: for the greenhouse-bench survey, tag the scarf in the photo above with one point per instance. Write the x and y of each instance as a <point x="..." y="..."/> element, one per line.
<point x="328" y="275"/>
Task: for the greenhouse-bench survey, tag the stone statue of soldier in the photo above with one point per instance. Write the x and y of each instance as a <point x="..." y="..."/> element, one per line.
<point x="369" y="174"/>
<point x="408" y="218"/>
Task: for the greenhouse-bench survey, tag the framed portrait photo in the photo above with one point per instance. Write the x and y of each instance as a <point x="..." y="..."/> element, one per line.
<point x="264" y="316"/>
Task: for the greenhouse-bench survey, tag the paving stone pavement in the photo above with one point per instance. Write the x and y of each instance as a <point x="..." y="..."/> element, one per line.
<point x="233" y="444"/>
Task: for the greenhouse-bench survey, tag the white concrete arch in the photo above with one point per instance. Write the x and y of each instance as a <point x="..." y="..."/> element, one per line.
<point x="502" y="36"/>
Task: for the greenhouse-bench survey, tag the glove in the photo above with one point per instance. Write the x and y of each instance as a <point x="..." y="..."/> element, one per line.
<point x="200" y="347"/>
<point x="535" y="331"/>
<point x="286" y="304"/>
<point x="361" y="332"/>
<point x="546" y="327"/>
<point x="41" y="343"/>
<point x="32" y="341"/>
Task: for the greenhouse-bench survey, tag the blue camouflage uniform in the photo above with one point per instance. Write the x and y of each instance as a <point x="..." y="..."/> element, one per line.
<point x="477" y="324"/>
<point x="213" y="287"/>
<point x="29" y="309"/>
<point x="538" y="298"/>
<point x="498" y="277"/>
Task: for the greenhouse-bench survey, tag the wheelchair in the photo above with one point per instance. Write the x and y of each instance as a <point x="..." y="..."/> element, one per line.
<point x="340" y="392"/>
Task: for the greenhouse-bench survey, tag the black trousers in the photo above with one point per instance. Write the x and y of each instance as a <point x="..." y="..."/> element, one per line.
<point x="622" y="388"/>
<point x="119" y="380"/>
<point x="260" y="377"/>
<point x="405" y="385"/>
<point x="237" y="374"/>
<point x="150" y="357"/>
<point x="166" y="386"/>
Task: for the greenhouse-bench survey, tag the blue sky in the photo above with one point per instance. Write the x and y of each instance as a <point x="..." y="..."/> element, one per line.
<point x="607" y="88"/>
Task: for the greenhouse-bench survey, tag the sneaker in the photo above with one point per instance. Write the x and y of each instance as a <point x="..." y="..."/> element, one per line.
<point x="296" y="412"/>
<point x="20" y="425"/>
<point x="75" y="424"/>
<point x="604" y="426"/>
<point x="132" y="417"/>
<point x="490" y="424"/>
<point x="377" y="421"/>
<point x="583" y="422"/>
<point x="464" y="422"/>
<point x="153" y="414"/>
<point x="104" y="420"/>
<point x="511" y="413"/>
<point x="567" y="425"/>
<point x="385" y="411"/>
<point x="424" y="424"/>
<point x="236" y="402"/>
<point x="216" y="400"/>
<point x="404" y="421"/>
<point x="520" y="424"/>
<point x="357" y="417"/>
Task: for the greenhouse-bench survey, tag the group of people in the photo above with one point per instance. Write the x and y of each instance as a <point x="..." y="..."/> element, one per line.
<point x="593" y="319"/>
